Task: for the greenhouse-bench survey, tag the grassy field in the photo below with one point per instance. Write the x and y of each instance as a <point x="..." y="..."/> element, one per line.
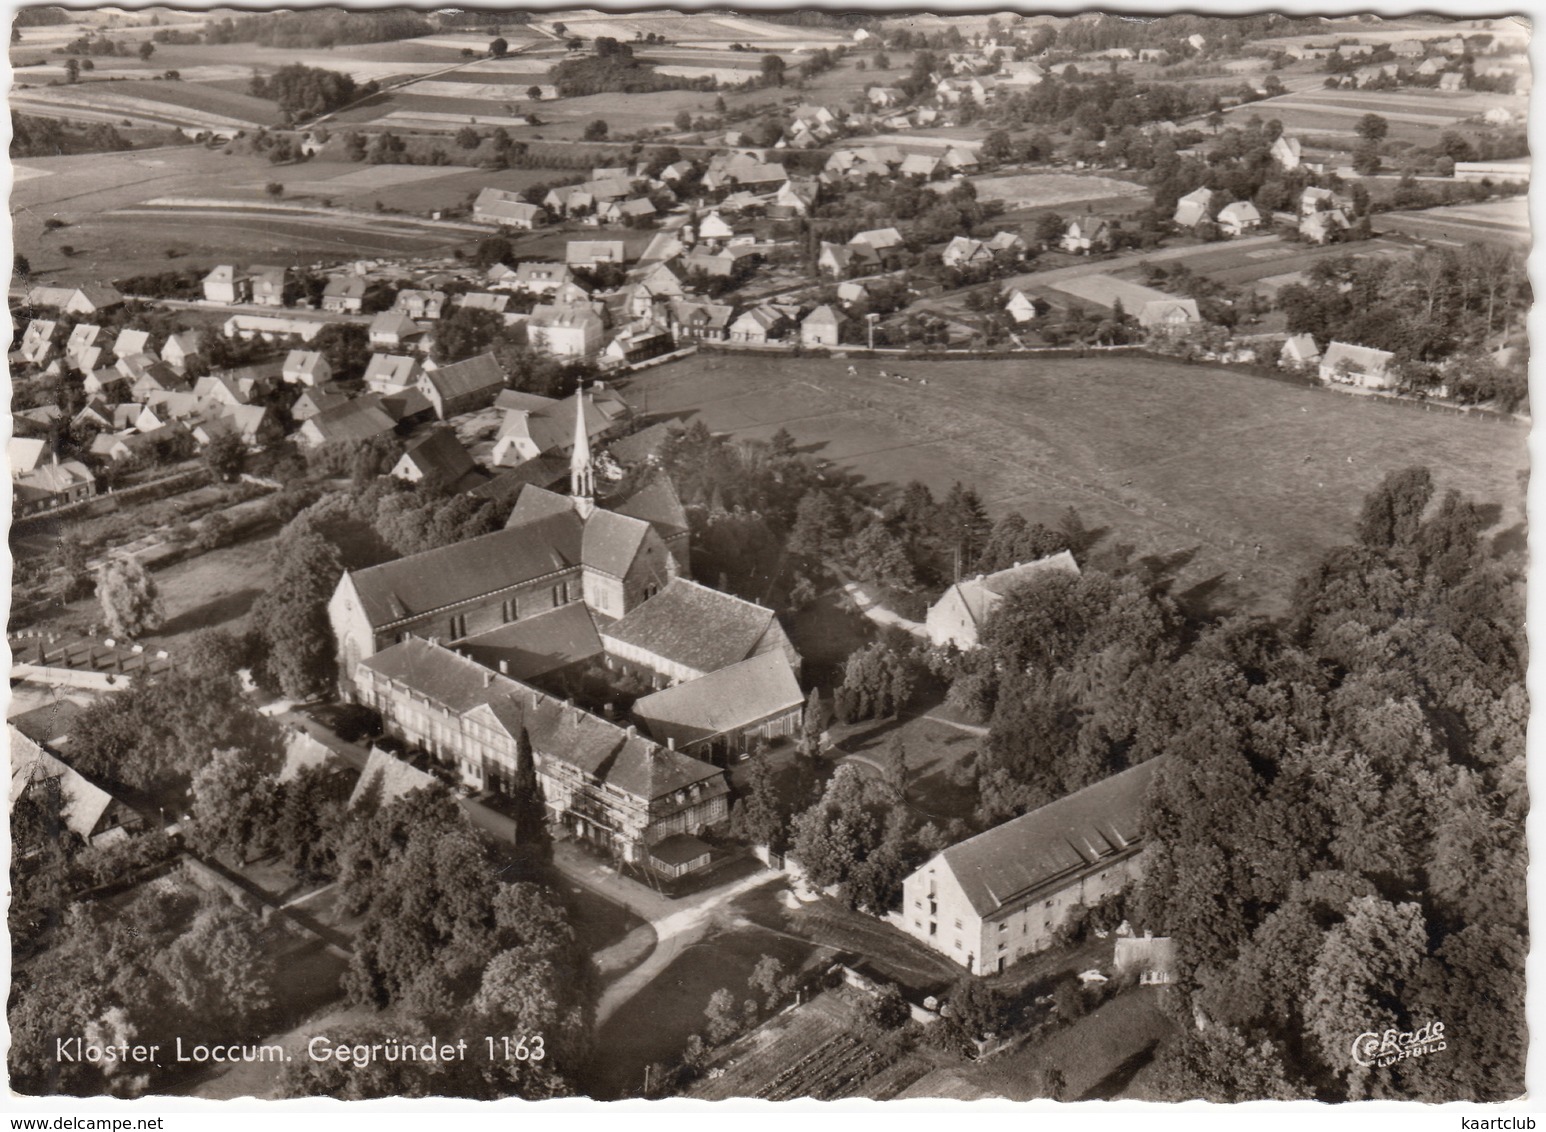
<point x="1051" y="190"/>
<point x="1189" y="465"/>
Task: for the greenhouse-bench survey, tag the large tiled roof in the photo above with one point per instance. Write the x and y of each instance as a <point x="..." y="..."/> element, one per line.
<point x="656" y="503"/>
<point x="359" y="419"/>
<point x="1049" y="844"/>
<point x="446" y="575"/>
<point x="386" y="778"/>
<point x="461" y="378"/>
<point x="982" y="593"/>
<point x="693" y="625"/>
<point x="527" y="648"/>
<point x="83" y="803"/>
<point x="440" y="453"/>
<point x="730" y="698"/>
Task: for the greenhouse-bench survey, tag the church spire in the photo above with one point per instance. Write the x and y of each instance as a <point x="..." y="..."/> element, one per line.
<point x="582" y="471"/>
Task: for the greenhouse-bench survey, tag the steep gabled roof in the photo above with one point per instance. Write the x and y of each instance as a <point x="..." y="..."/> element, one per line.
<point x="532" y="646"/>
<point x="440" y="454"/>
<point x="446" y="575"/>
<point x="386" y="778"/>
<point x="611" y="542"/>
<point x="657" y="502"/>
<point x="460" y="379"/>
<point x="1054" y="842"/>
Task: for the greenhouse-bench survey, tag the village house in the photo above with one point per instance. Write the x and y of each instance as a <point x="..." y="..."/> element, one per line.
<point x="421" y="306"/>
<point x="965" y="252"/>
<point x="268" y="286"/>
<point x="565" y="330"/>
<point x="1169" y="315"/>
<point x="957" y="618"/>
<point x="351" y="422"/>
<point x="1360" y="366"/>
<point x="87" y="299"/>
<point x="999" y="897"/>
<point x="590" y="253"/>
<point x="343" y="294"/>
<point x="86" y="810"/>
<point x="1299" y="352"/>
<point x="314" y="401"/>
<point x="821" y="328"/>
<point x="1086" y="234"/>
<point x="437" y="456"/>
<point x="1452" y="80"/>
<point x="393" y="329"/>
<point x="51" y="485"/>
<point x="1239" y="218"/>
<point x="307" y="367"/>
<point x="758" y="325"/>
<point x="227" y="284"/>
<point x="180" y="349"/>
<point x="1324" y="227"/>
<point x="506" y="209"/>
<point x="1194" y="207"/>
<point x="692" y="320"/>
<point x="37" y="341"/>
<point x="537" y="426"/>
<point x="462" y="387"/>
<point x="1021" y="308"/>
<point x="541" y="278"/>
<point x="1287" y="151"/>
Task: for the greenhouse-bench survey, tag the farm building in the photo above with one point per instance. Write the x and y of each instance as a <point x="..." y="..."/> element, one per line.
<point x="957" y="617"/>
<point x="438" y="456"/>
<point x="565" y="330"/>
<point x="89" y="298"/>
<point x="361" y="419"/>
<point x="462" y="387"/>
<point x="86" y="809"/>
<point x="306" y="367"/>
<point x="1361" y="366"/>
<point x="506" y="209"/>
<point x="994" y="899"/>
<point x="963" y="251"/>
<point x="1020" y="307"/>
<point x="271" y="327"/>
<point x="51" y="485"/>
<point x="588" y="253"/>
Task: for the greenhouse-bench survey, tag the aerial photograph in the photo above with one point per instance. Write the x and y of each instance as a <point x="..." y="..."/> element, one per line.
<point x="767" y="554"/>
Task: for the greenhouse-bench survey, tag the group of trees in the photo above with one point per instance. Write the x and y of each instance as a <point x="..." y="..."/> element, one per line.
<point x="305" y="92"/>
<point x="613" y="67"/>
<point x="48" y="137"/>
<point x="322" y="27"/>
<point x="1337" y="836"/>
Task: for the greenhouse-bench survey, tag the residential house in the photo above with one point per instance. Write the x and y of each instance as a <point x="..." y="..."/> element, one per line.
<point x="49" y="486"/>
<point x="1194" y="207"/>
<point x="1299" y="352"/>
<point x="1287" y="151"/>
<point x="1452" y="80"/>
<point x="130" y="342"/>
<point x="307" y="367"/>
<point x="268" y="285"/>
<point x="835" y="261"/>
<point x="569" y="200"/>
<point x="85" y="809"/>
<point x="1409" y="49"/>
<point x="1086" y="233"/>
<point x="959" y="160"/>
<point x="1362" y="366"/>
<point x="483" y="301"/>
<point x="1009" y="246"/>
<point x="26" y="454"/>
<point x="180" y="349"/>
<point x="924" y="166"/>
<point x="885" y="96"/>
<point x="1433" y="65"/>
<point x="887" y="243"/>
<point x="712" y="228"/>
<point x="88" y="298"/>
<point x="695" y="320"/>
<point x="590" y="253"/>
<point x="84" y="339"/>
<point x="1001" y="896"/>
<point x="759" y="325"/>
<point x="314" y="401"/>
<point x="462" y="387"/>
<point x="271" y="327"/>
<point x="37" y="341"/>
<point x="565" y="330"/>
<point x="437" y="456"/>
<point x="542" y="426"/>
<point x="1021" y="308"/>
<point x="392" y="329"/>
<point x="1020" y="75"/>
<point x="506" y="209"/>
<point x="1239" y="218"/>
<point x="821" y="328"/>
<point x="227" y="284"/>
<point x="541" y="278"/>
<point x="421" y="306"/>
<point x="1152" y="957"/>
<point x="623" y="211"/>
<point x="965" y="252"/>
<point x="1169" y="315"/>
<point x="344" y="294"/>
<point x="957" y="618"/>
<point x="1324" y="227"/>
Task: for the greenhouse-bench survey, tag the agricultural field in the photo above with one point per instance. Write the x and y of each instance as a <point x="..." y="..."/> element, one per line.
<point x="1415" y="115"/>
<point x="1505" y="222"/>
<point x="1052" y="190"/>
<point x="1273" y="265"/>
<point x="1193" y="466"/>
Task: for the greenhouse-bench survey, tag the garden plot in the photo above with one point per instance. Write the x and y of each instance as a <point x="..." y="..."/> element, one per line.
<point x="510" y="65"/>
<point x="385" y="176"/>
<point x="494" y="92"/>
<point x="729" y="75"/>
<point x="1048" y="190"/>
<point x="429" y="120"/>
<point x="1107" y="291"/>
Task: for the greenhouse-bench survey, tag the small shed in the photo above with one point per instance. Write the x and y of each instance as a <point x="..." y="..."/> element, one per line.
<point x="679" y="854"/>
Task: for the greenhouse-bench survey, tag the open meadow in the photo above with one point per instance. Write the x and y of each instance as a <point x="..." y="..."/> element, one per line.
<point x="1234" y="482"/>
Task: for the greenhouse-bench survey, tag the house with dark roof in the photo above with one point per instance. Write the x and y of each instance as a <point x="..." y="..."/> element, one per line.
<point x="393" y="328"/>
<point x="997" y="898"/>
<point x="507" y="209"/>
<point x="344" y="294"/>
<point x="462" y="387"/>
<point x="604" y="783"/>
<point x="728" y="710"/>
<point x="439" y="457"/>
<point x="353" y="421"/>
<point x="87" y="810"/>
<point x="958" y="616"/>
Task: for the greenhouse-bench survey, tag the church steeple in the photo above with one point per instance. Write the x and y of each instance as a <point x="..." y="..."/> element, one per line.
<point x="582" y="471"/>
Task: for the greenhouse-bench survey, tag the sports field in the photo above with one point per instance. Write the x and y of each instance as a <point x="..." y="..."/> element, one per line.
<point x="1194" y="465"/>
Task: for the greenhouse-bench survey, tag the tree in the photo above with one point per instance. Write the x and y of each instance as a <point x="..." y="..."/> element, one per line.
<point x="530" y="806"/>
<point x="468" y="138"/>
<point x="234" y="805"/>
<point x="225" y="456"/>
<point x="534" y="92"/>
<point x="772" y="70"/>
<point x="813" y="724"/>
<point x="130" y="599"/>
<point x="21" y="266"/>
<point x="498" y="48"/>
<point x="1393" y="512"/>
<point x="1373" y="128"/>
<point x="1366" y="158"/>
<point x="683" y="119"/>
<point x="147" y="49"/>
<point x="72" y="70"/>
<point x="274" y="189"/>
<point x="759" y="817"/>
<point x="721" y="1014"/>
<point x="768" y="978"/>
<point x="290" y="619"/>
<point x="596" y="130"/>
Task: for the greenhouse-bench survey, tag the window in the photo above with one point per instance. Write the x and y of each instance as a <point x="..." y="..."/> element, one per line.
<point x="1003" y="947"/>
<point x="512" y="609"/>
<point x="958" y="923"/>
<point x="917" y="903"/>
<point x="917" y="923"/>
<point x="1048" y="904"/>
<point x="1004" y="927"/>
<point x="933" y="927"/>
<point x="958" y="945"/>
<point x="458" y="626"/>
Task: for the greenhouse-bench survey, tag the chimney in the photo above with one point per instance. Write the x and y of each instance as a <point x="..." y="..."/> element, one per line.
<point x="671" y="742"/>
<point x="504" y="667"/>
<point x="488" y="677"/>
<point x="633" y="731"/>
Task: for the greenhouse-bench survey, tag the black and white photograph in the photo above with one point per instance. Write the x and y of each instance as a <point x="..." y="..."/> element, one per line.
<point x="768" y="554"/>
